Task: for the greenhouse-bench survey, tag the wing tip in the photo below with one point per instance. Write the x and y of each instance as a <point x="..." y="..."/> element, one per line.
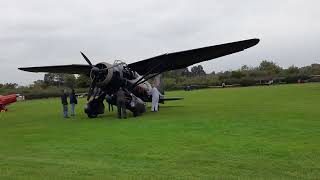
<point x="255" y="41"/>
<point x="249" y="43"/>
<point x="26" y="69"/>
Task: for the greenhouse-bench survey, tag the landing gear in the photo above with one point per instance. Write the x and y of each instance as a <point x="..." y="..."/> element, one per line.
<point x="92" y="115"/>
<point x="3" y="108"/>
<point x="136" y="106"/>
<point x="93" y="108"/>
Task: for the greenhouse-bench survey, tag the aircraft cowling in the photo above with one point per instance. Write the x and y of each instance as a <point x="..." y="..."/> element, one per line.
<point x="111" y="76"/>
<point x="105" y="77"/>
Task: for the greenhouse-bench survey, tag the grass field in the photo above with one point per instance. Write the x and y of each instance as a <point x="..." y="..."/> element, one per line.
<point x="237" y="133"/>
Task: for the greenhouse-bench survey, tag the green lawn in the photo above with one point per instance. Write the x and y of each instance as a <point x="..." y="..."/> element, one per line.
<point x="236" y="133"/>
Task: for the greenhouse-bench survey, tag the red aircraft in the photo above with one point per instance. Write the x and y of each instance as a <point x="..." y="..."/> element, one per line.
<point x="5" y="100"/>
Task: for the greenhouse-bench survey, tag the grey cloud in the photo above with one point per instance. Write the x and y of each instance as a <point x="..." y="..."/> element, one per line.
<point x="37" y="32"/>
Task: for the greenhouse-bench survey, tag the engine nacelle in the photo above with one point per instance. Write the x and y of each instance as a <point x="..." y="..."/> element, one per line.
<point x="103" y="74"/>
<point x="112" y="77"/>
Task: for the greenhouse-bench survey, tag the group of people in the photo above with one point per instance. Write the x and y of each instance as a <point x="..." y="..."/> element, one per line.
<point x="73" y="101"/>
<point x="121" y="101"/>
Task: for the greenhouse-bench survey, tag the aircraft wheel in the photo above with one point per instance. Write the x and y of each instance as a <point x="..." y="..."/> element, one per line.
<point x="92" y="115"/>
<point x="135" y="114"/>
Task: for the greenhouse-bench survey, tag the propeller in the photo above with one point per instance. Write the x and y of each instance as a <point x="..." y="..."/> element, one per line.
<point x="98" y="73"/>
<point x="87" y="59"/>
<point x="104" y="69"/>
<point x="95" y="74"/>
<point x="95" y="71"/>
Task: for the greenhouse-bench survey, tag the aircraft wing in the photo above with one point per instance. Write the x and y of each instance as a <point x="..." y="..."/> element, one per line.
<point x="66" y="69"/>
<point x="178" y="60"/>
<point x="5" y="100"/>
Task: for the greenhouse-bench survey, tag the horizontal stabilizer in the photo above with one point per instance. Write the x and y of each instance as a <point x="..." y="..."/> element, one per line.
<point x="162" y="100"/>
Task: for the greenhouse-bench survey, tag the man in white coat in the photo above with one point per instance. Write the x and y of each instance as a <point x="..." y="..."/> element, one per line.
<point x="155" y="99"/>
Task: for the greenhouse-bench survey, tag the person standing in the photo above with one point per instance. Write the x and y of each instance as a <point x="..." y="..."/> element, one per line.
<point x="121" y="104"/>
<point x="155" y="99"/>
<point x="109" y="100"/>
<point x="73" y="102"/>
<point x="64" y="102"/>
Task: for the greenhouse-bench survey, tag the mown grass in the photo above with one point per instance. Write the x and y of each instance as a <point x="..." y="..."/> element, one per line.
<point x="237" y="133"/>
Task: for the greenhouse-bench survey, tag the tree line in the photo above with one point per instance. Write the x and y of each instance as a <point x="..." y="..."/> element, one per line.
<point x="52" y="83"/>
<point x="245" y="76"/>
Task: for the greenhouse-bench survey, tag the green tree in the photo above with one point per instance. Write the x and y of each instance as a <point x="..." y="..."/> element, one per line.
<point x="270" y="67"/>
<point x="197" y="71"/>
<point x="10" y="85"/>
<point x="83" y="81"/>
<point x="244" y="68"/>
<point x="59" y="79"/>
<point x="69" y="80"/>
<point x="237" y="74"/>
<point x="40" y="84"/>
<point x="49" y="79"/>
<point x="293" y="70"/>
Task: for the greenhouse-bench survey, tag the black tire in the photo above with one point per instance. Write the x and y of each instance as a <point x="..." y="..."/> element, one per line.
<point x="135" y="114"/>
<point x="92" y="115"/>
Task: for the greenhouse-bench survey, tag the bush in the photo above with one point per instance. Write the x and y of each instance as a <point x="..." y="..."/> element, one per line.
<point x="295" y="79"/>
<point x="314" y="79"/>
<point x="40" y="94"/>
<point x="247" y="82"/>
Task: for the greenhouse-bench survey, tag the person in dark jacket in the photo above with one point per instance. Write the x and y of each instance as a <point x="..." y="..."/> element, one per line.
<point x="64" y="102"/>
<point x="109" y="99"/>
<point x="73" y="102"/>
<point x="121" y="104"/>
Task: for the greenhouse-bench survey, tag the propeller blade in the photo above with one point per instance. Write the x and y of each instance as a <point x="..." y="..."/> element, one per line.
<point x="92" y="85"/>
<point x="87" y="59"/>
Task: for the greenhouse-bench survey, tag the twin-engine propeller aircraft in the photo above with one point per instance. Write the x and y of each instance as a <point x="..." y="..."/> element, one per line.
<point x="108" y="78"/>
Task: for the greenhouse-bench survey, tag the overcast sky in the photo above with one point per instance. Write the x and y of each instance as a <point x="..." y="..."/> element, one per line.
<point x="38" y="32"/>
